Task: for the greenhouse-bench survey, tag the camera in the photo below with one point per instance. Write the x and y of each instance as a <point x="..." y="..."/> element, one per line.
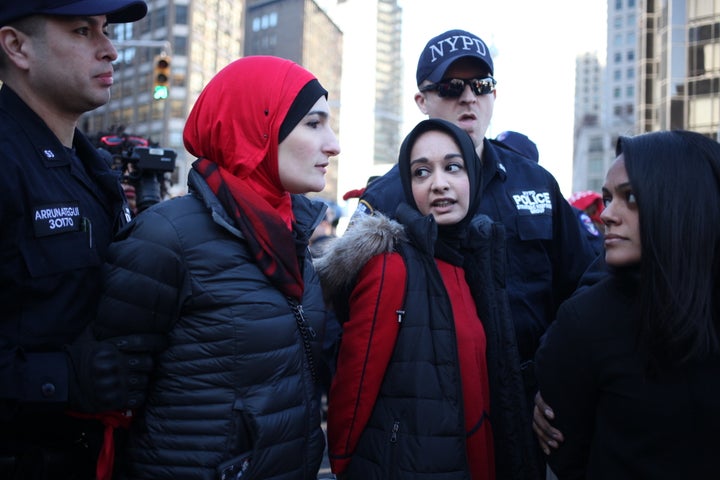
<point x="146" y="168"/>
<point x="147" y="173"/>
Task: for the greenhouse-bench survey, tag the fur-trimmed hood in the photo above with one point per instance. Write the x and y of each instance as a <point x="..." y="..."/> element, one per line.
<point x="345" y="256"/>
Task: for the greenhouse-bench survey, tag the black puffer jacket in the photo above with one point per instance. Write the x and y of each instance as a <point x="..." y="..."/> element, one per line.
<point x="434" y="447"/>
<point x="235" y="380"/>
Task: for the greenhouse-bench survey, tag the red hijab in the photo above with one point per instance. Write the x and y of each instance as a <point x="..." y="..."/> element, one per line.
<point x="233" y="130"/>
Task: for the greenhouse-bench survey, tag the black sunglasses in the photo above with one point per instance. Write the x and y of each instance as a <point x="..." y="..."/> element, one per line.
<point x="454" y="87"/>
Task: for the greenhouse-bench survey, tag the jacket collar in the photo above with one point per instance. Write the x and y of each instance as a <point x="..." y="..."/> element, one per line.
<point x="422" y="229"/>
<point x="43" y="140"/>
<point x="308" y="213"/>
<point x="493" y="162"/>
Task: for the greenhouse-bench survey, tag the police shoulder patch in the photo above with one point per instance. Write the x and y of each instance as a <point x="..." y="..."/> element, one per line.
<point x="532" y="202"/>
<point x="588" y="224"/>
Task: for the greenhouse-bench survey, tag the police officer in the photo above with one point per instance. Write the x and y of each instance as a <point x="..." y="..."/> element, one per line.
<point x="60" y="206"/>
<point x="547" y="252"/>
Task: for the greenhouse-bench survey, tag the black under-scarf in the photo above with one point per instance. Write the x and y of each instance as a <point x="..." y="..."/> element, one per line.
<point x="450" y="238"/>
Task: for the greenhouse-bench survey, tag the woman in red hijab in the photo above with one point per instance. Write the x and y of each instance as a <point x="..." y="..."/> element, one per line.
<point x="224" y="273"/>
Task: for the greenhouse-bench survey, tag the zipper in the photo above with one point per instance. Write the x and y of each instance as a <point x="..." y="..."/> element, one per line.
<point x="307" y="332"/>
<point x="394" y="432"/>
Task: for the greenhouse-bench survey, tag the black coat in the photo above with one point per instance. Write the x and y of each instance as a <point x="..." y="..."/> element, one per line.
<point x="618" y="422"/>
<point x="234" y="381"/>
<point x="422" y="380"/>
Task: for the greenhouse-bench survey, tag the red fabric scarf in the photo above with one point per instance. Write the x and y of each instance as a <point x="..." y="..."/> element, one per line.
<point x="270" y="241"/>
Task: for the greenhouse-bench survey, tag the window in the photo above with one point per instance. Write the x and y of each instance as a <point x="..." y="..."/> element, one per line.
<point x="181" y="14"/>
<point x="180" y="45"/>
<point x="160" y="17"/>
<point x="595" y="165"/>
<point x="268" y="20"/>
<point x="596" y="184"/>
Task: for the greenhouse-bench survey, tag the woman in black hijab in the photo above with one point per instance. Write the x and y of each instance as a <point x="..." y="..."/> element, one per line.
<point x="426" y="337"/>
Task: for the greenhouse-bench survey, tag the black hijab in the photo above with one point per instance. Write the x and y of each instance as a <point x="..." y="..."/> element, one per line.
<point x="450" y="238"/>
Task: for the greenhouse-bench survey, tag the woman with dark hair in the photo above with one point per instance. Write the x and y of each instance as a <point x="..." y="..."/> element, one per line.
<point x="428" y="379"/>
<point x="631" y="366"/>
<point x="225" y="274"/>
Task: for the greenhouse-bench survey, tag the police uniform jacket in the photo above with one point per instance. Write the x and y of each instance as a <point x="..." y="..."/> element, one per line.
<point x="58" y="212"/>
<point x="234" y="392"/>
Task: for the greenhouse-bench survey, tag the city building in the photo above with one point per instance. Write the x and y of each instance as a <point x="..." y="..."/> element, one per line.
<point x="606" y="96"/>
<point x="301" y="31"/>
<point x="371" y="114"/>
<point x="353" y="46"/>
<point x="198" y="38"/>
<point x="679" y="60"/>
<point x="662" y="72"/>
<point x="589" y="140"/>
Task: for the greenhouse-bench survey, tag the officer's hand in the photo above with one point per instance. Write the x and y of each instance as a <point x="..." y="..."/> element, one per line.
<point x="111" y="374"/>
<point x="548" y="436"/>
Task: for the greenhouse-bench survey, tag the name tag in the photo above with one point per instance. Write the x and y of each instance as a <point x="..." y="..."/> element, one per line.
<point x="56" y="219"/>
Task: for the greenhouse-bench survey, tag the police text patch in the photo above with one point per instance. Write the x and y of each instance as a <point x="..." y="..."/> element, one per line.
<point x="55" y="219"/>
<point x="532" y="202"/>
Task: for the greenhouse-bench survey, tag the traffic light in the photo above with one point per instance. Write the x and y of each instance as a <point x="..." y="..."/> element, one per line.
<point x="161" y="77"/>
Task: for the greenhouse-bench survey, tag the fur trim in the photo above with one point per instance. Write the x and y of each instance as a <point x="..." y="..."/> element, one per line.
<point x="344" y="257"/>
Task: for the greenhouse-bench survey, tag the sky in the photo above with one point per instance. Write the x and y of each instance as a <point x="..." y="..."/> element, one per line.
<point x="534" y="45"/>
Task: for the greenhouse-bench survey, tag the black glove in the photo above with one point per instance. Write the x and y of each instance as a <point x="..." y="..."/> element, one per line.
<point x="111" y="374"/>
